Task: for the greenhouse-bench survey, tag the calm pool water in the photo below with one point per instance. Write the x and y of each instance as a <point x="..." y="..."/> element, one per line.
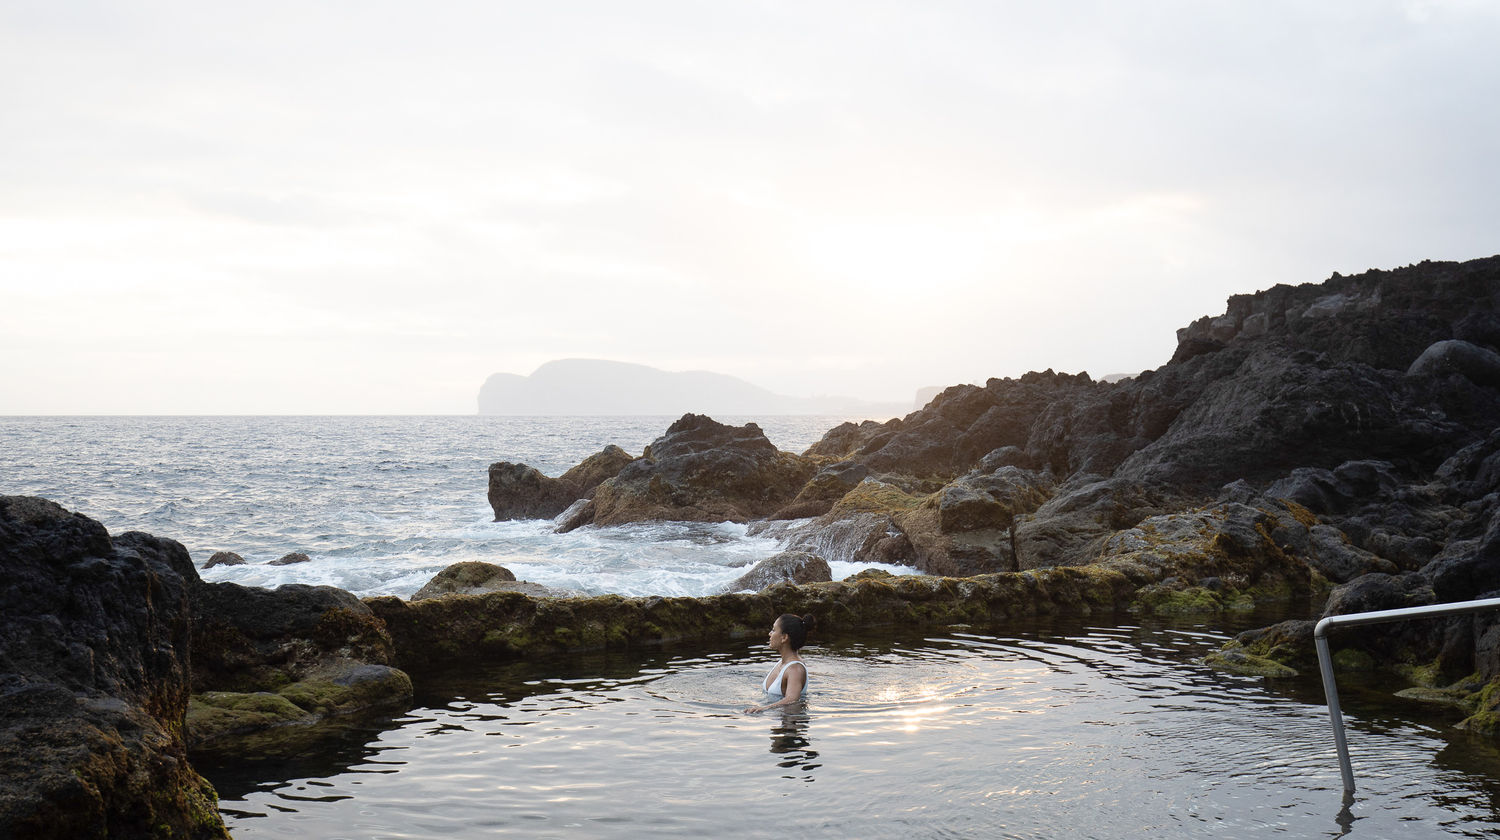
<point x="1046" y="732"/>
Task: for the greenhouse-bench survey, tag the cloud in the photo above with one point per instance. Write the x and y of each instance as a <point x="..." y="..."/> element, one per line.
<point x="332" y="207"/>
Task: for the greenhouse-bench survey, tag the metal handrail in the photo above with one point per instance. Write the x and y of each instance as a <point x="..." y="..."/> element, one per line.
<point x="1325" y="660"/>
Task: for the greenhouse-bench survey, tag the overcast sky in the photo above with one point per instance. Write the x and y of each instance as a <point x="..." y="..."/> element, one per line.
<point x="369" y="207"/>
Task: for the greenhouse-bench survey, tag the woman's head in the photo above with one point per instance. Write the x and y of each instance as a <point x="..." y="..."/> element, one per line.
<point x="796" y="628"/>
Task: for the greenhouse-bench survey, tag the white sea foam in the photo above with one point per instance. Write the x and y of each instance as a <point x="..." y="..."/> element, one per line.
<point x="380" y="504"/>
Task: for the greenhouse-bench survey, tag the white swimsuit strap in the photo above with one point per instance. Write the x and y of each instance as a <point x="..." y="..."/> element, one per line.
<point x="773" y="680"/>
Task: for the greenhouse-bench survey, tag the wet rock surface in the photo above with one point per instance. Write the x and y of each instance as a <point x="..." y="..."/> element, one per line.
<point x="517" y="491"/>
<point x="1344" y="435"/>
<point x="94" y="640"/>
<point x="469" y="578"/>
<point x="473" y="577"/>
<point x="1337" y="440"/>
<point x="786" y="567"/>
<point x="260" y="652"/>
<point x="224" y="558"/>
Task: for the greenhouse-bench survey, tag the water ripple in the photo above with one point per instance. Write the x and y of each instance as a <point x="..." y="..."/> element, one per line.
<point x="1033" y="736"/>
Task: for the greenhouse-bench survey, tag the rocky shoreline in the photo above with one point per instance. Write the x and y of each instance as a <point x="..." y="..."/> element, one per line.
<point x="1337" y="440"/>
<point x="1350" y="429"/>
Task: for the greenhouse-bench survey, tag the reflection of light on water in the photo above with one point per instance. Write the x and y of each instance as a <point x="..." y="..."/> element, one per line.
<point x="921" y="710"/>
<point x="915" y="708"/>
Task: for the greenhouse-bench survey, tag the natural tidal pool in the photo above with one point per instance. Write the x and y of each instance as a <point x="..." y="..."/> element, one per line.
<point x="1044" y="731"/>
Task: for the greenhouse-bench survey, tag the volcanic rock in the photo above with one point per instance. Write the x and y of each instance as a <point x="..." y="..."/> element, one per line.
<point x="94" y="639"/>
<point x="317" y="648"/>
<point x="786" y="567"/>
<point x="224" y="558"/>
<point x="990" y="500"/>
<point x="247" y="638"/>
<point x="470" y="577"/>
<point x="1460" y="358"/>
<point x="1208" y="560"/>
<point x="517" y="491"/>
<point x="703" y="471"/>
<point x="1070" y="528"/>
<point x="825" y="488"/>
<point x="577" y="515"/>
<point x="1384" y="319"/>
<point x="853" y="537"/>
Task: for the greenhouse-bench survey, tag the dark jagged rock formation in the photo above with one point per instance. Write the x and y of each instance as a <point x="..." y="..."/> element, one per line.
<point x="94" y="643"/>
<point x="1385" y="319"/>
<point x="1435" y="541"/>
<point x="958" y="428"/>
<point x="1353" y="425"/>
<point x="249" y="638"/>
<point x="1391" y="366"/>
<point x="703" y="471"/>
<point x="517" y="491"/>
<point x="826" y="487"/>
<point x="224" y="558"/>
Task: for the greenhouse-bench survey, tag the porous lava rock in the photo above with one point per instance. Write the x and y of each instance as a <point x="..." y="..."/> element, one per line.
<point x="785" y="567"/>
<point x="826" y="487"/>
<point x="94" y="639"/>
<point x="1214" y="559"/>
<point x="224" y="558"/>
<point x="517" y="491"/>
<point x="853" y="537"/>
<point x="1071" y="527"/>
<point x="703" y="471"/>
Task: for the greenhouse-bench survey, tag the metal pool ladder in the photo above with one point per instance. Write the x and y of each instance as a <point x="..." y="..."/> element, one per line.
<point x="1325" y="660"/>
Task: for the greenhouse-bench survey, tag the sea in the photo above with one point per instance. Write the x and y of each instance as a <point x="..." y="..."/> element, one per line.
<point x="1039" y="729"/>
<point x="379" y="504"/>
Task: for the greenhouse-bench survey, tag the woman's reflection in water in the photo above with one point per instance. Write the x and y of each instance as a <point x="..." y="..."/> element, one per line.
<point x="789" y="740"/>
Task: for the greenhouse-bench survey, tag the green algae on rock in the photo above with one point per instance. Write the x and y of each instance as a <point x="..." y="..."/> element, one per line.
<point x="496" y="626"/>
<point x="289" y="660"/>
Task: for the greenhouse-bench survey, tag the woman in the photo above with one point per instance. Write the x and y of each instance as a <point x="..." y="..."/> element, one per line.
<point x="788" y="679"/>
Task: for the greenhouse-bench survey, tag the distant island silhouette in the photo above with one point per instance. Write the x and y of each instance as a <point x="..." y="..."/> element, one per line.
<point x="602" y="387"/>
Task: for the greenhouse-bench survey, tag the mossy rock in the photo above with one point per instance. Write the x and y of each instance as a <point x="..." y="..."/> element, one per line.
<point x="869" y="574"/>
<point x="216" y="715"/>
<point x="470" y="577"/>
<point x="1304" y="517"/>
<point x="1234" y="658"/>
<point x="1486" y="717"/>
<point x="1423" y="676"/>
<point x="349" y="689"/>
<point x="1163" y="600"/>
<point x="272" y="723"/>
<point x="1352" y="660"/>
<point x="873" y="496"/>
<point x="1468" y="701"/>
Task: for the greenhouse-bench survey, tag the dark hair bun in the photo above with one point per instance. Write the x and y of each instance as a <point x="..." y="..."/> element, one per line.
<point x="809" y="622"/>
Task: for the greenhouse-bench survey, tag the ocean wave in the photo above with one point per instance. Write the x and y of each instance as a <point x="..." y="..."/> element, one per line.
<point x="375" y="519"/>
